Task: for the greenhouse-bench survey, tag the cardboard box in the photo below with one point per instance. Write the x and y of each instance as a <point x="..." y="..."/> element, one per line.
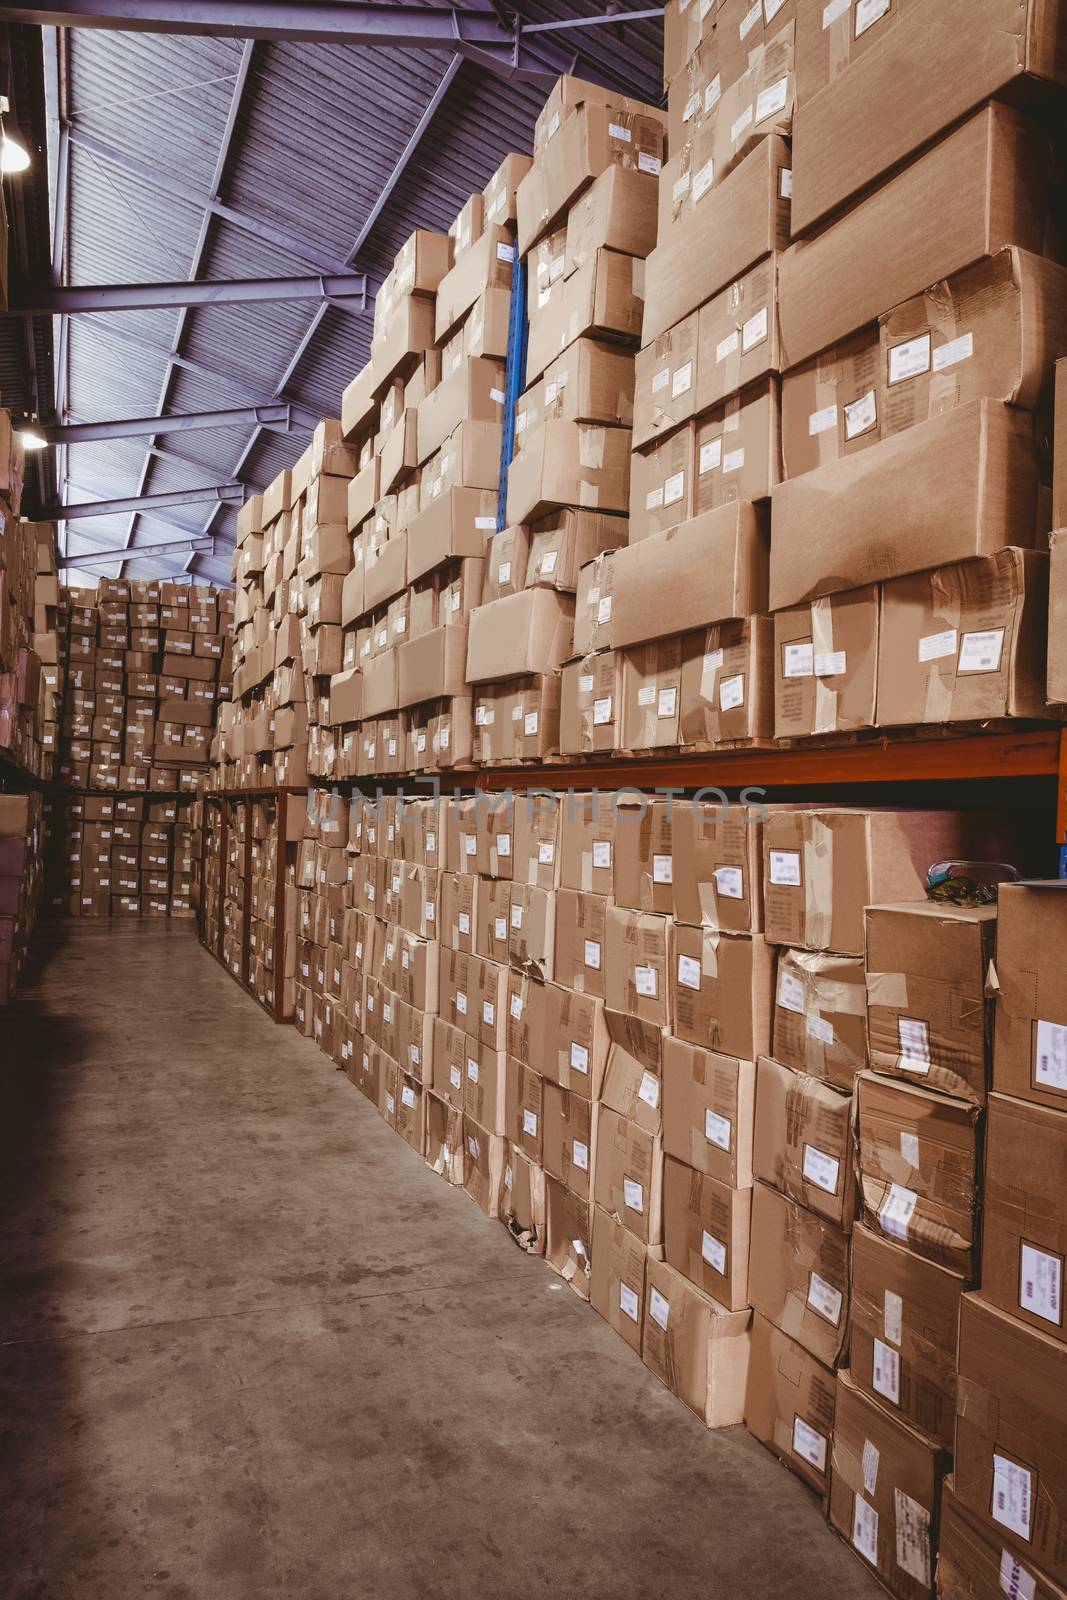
<point x="789" y="1403"/>
<point x="987" y="183"/>
<point x="486" y="263"/>
<point x="695" y="1347"/>
<point x="825" y="665"/>
<point x="665" y="382"/>
<point x="433" y="665"/>
<point x="966" y="643"/>
<point x="569" y="464"/>
<point x="902" y="1334"/>
<point x="737" y="335"/>
<point x="458" y="523"/>
<point x="590" y="705"/>
<point x="484" y="1181"/>
<point x="522" y="1209"/>
<point x="568" y="94"/>
<point x="628" y="1181"/>
<point x="918" y="1159"/>
<point x="651" y="690"/>
<point x="726" y="684"/>
<point x="1024" y="1231"/>
<point x="569" y="1138"/>
<point x="974" y="1552"/>
<point x="738" y="448"/>
<point x="633" y="1079"/>
<point x="643" y="859"/>
<point x="594" y="138"/>
<point x="581" y="921"/>
<point x="589" y="382"/>
<point x="617" y="1281"/>
<point x="568" y="1236"/>
<point x="661" y="484"/>
<point x="562" y="543"/>
<point x="798" y="1276"/>
<point x="857" y="114"/>
<point x="708" y="1108"/>
<point x="927" y="1015"/>
<point x="474" y="390"/>
<point x="834" y="404"/>
<point x="803" y="1141"/>
<point x="520" y="633"/>
<point x="709" y="569"/>
<point x="1009" y="1458"/>
<point x="820" y="1015"/>
<point x="1056" y="680"/>
<point x="717" y="867"/>
<point x="635" y="965"/>
<point x="889" y="1516"/>
<point x="1030" y="1039"/>
<point x="602" y="299"/>
<point x="617" y="212"/>
<point x="706" y="1232"/>
<point x="721" y="986"/>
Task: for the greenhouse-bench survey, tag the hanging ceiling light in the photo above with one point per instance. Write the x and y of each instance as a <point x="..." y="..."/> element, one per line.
<point x="31" y="439"/>
<point x="14" y="157"/>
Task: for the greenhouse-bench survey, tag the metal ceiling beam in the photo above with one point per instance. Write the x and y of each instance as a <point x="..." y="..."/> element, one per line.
<point x="175" y="497"/>
<point x="183" y="422"/>
<point x="81" y="298"/>
<point x="196" y="544"/>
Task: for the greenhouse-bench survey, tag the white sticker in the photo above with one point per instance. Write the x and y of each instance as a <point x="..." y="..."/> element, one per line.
<point x="659" y="1308"/>
<point x="580" y="1155"/>
<point x="956" y="350"/>
<point x="580" y="1058"/>
<point x="809" y="1444"/>
<point x="711" y="455"/>
<point x="912" y="1524"/>
<point x="865" y="1530"/>
<point x="980" y="652"/>
<point x="529" y="723"/>
<point x="932" y="646"/>
<point x="504" y="573"/>
<point x="836" y="8"/>
<point x="1041" y="1284"/>
<point x="1050" y="1057"/>
<point x="732" y="692"/>
<point x="633" y="1196"/>
<point x="893" y="1316"/>
<point x="516" y="917"/>
<point x="649" y="1089"/>
<point x="896" y="1211"/>
<point x="714" y="1252"/>
<point x="727" y="346"/>
<point x="629" y="1304"/>
<point x="790" y="992"/>
<point x="516" y="1006"/>
<point x="464" y="922"/>
<point x="717" y="1130"/>
<point x="785" y="867"/>
<point x="674" y="488"/>
<point x="785" y="182"/>
<point x="548" y="561"/>
<point x="1012" y="1496"/>
<point x="822" y="421"/>
<point x="730" y="882"/>
<point x="771" y="100"/>
<point x="871" y="1459"/>
<point x="472" y="1069"/>
<point x="662" y="869"/>
<point x="529" y="1123"/>
<point x="500" y="928"/>
<point x="798" y="661"/>
<point x="488" y="1012"/>
<point x="603" y="610"/>
<point x="461" y="1002"/>
<point x="682" y="381"/>
<point x="592" y="954"/>
<point x="688" y="972"/>
<point x="645" y="981"/>
<point x="1014" y="1578"/>
<point x="754" y="330"/>
<point x="821" y="1169"/>
<point x="909" y="1148"/>
<point x="666" y="702"/>
<point x="647" y="162"/>
<point x="505" y="252"/>
<point x="824" y="1299"/>
<point x="868" y="12"/>
<point x="617" y="131"/>
<point x="817" y="1027"/>
<point x="861" y="415"/>
<point x="408" y="1096"/>
<point x="910" y="359"/>
<point x="704" y="176"/>
<point x="654" y="499"/>
<point x="601" y="853"/>
<point x="750" y="18"/>
<point x="914" y="1039"/>
<point x="885" y="1371"/>
<point x="546" y="852"/>
<point x="830" y="663"/>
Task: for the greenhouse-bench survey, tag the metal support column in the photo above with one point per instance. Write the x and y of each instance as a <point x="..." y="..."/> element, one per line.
<point x="514" y="378"/>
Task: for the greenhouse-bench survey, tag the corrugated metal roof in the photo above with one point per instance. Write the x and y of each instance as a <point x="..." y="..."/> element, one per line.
<point x="318" y="132"/>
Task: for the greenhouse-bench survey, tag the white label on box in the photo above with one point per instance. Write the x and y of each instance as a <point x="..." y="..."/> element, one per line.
<point x="529" y="1124"/>
<point x="668" y="699"/>
<point x="682" y="381"/>
<point x="516" y="1006"/>
<point x="824" y="1299"/>
<point x="818" y="1028"/>
<point x="717" y="1130"/>
<point x="550" y="393"/>
<point x="674" y="488"/>
<point x="692" y="106"/>
<point x="390" y="1104"/>
<point x="516" y="916"/>
<point x="861" y="415"/>
<point x="473" y="1147"/>
<point x="464" y="922"/>
<point x="659" y="1307"/>
<point x="738" y="126"/>
<point x="633" y="1195"/>
<point x="648" y="1090"/>
<point x="529" y="722"/>
<point x="647" y="162"/>
<point x="910" y="359"/>
<point x="603" y="610"/>
<point x="733" y="460"/>
<point x="1012" y="1496"/>
<point x="580" y="1058"/>
<point x="754" y="330"/>
<point x="771" y="100"/>
<point x="865" y="1530"/>
<point x="548" y="562"/>
<point x="601" y="852"/>
<point x="714" y="1252"/>
<point x="799" y="660"/>
<point x="909" y="1148"/>
<point x="785" y="867"/>
<point x="836" y="8"/>
<point x="822" y="421"/>
<point x="461" y="1002"/>
<point x="646" y="696"/>
<point x="503" y="844"/>
<point x="645" y="981"/>
<point x="790" y="992"/>
<point x="580" y="1155"/>
<point x="980" y="652"/>
<point x="730" y="882"/>
<point x="629" y="1304"/>
<point x="1041" y="1284"/>
<point x="420" y="743"/>
<point x="893" y="1316"/>
<point x="809" y="1444"/>
<point x="508" y="1181"/>
<point x="688" y="972"/>
<point x="592" y="954"/>
<point x="585" y="683"/>
<point x="713" y="92"/>
<point x="830" y="663"/>
<point x="896" y="1211"/>
<point x="868" y="12"/>
<point x="472" y="1069"/>
<point x="617" y="131"/>
<point x="912" y="1524"/>
<point x="504" y="572"/>
<point x="602" y="711"/>
<point x="407" y="1096"/>
<point x="663" y="376"/>
<point x="932" y="646"/>
<point x="914" y="1039"/>
<point x="662" y="869"/>
<point x="871" y="1460"/>
<point x="546" y="852"/>
<point x="820" y="1169"/>
<point x="500" y="928"/>
<point x="771" y="9"/>
<point x="1014" y="1578"/>
<point x="956" y="350"/>
<point x="727" y="346"/>
<point x="654" y="499"/>
<point x="1050" y="1063"/>
<point x="704" y="176"/>
<point x="753" y="15"/>
<point x="505" y="252"/>
<point x="885" y="1371"/>
<point x="710" y="455"/>
<point x="485" y="524"/>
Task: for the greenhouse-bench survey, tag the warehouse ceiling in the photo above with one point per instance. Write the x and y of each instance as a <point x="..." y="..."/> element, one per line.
<point x="218" y="158"/>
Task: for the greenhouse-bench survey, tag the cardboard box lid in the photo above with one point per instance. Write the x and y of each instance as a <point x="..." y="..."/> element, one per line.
<point x="709" y="569"/>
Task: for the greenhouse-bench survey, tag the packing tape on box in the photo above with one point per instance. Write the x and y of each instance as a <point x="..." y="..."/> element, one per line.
<point x="889" y="989"/>
<point x="709" y="955"/>
<point x="822" y="638"/>
<point x="845" y="999"/>
<point x="946" y="601"/>
<point x="819" y="884"/>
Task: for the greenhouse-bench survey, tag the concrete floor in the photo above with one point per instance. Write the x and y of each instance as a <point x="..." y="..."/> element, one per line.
<point x="251" y="1347"/>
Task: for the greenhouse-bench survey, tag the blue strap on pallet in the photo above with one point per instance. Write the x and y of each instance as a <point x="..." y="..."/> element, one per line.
<point x="514" y="380"/>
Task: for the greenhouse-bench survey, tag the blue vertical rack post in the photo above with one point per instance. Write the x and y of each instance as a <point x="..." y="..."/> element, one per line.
<point x="514" y="379"/>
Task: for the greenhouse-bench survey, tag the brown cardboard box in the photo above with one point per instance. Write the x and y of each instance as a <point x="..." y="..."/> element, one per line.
<point x="644" y="864"/>
<point x="651" y="688"/>
<point x="927" y="1016"/>
<point x="665" y="390"/>
<point x="798" y="1274"/>
<point x="617" y="212"/>
<point x="628" y="1180"/>
<point x="587" y="844"/>
<point x="803" y="1141"/>
<point x="721" y="987"/>
<point x="889" y="1513"/>
<point x="507" y="554"/>
<point x="562" y="543"/>
<point x="825" y="664"/>
<point x="978" y="1560"/>
<point x="589" y="382"/>
<point x="717" y="866"/>
<point x="474" y="389"/>
<point x="633" y="1080"/>
<point x="1024" y="1231"/>
<point x="1056" y="680"/>
<point x="789" y="1403"/>
<point x="1010" y="1421"/>
<point x="726" y="685"/>
<point x="857" y="114"/>
<point x="1059" y="447"/>
<point x="581" y="921"/>
<point x="486" y="264"/>
<point x="820" y="1022"/>
<point x="737" y="335"/>
<point x="706" y="1232"/>
<point x="987" y="184"/>
<point x="484" y="1181"/>
<point x="594" y="138"/>
<point x="569" y="464"/>
<point x="617" y="1284"/>
<point x="1030" y="1044"/>
<point x="523" y="1102"/>
<point x="499" y="192"/>
<point x="456" y="524"/>
<point x="577" y="1042"/>
<point x="710" y="569"/>
<point x="569" y="94"/>
<point x="569" y="1141"/>
<point x="708" y="1108"/>
<point x="966" y="643"/>
<point x="833" y="404"/>
<point x="902" y="1334"/>
<point x="661" y="484"/>
<point x="602" y="299"/>
<point x="590" y="705"/>
<point x="964" y="484"/>
<point x="918" y="1159"/>
<point x="445" y="1150"/>
<point x="695" y="1347"/>
<point x="738" y="448"/>
<point x="568" y="1236"/>
<point x="522" y="1208"/>
<point x="520" y="633"/>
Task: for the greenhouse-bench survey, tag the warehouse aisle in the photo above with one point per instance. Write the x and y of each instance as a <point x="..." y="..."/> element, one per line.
<point x="253" y="1347"/>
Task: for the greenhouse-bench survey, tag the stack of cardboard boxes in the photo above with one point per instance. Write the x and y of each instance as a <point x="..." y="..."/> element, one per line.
<point x="249" y="894"/>
<point x="21" y="871"/>
<point x="124" y="855"/>
<point x="29" y="666"/>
